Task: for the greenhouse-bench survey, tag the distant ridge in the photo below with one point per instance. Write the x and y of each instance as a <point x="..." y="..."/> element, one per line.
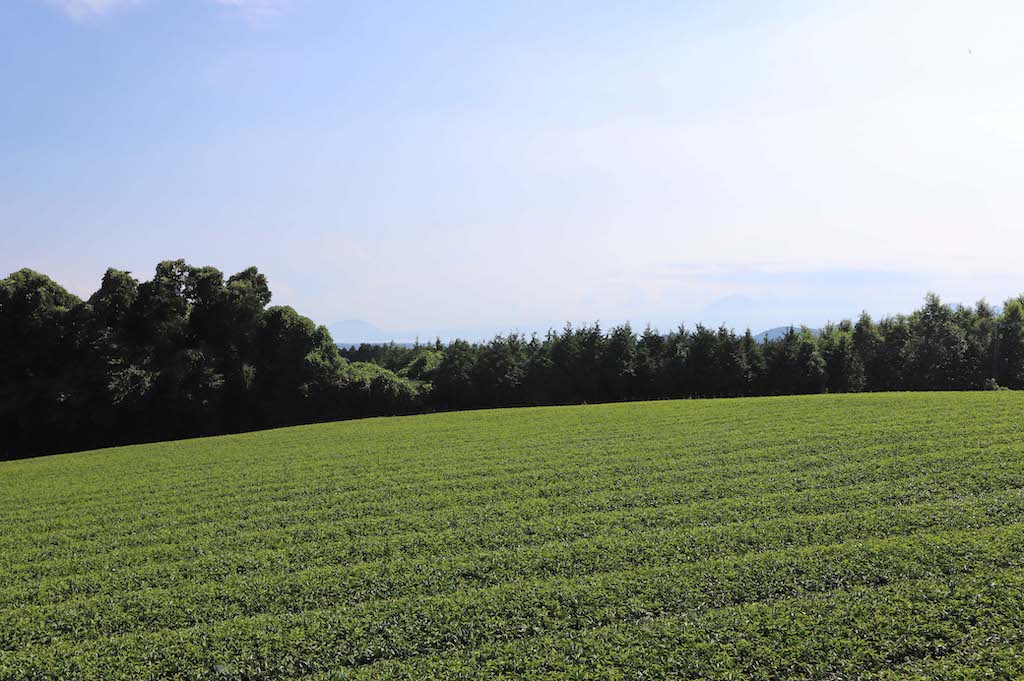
<point x="779" y="332"/>
<point x="352" y="345"/>
<point x="354" y="332"/>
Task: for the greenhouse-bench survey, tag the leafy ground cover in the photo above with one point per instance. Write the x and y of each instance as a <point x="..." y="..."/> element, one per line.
<point x="849" y="536"/>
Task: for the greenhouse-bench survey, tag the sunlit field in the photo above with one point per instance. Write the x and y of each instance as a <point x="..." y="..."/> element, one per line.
<point x="854" y="536"/>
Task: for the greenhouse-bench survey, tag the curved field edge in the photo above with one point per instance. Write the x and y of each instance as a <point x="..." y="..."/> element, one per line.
<point x="733" y="538"/>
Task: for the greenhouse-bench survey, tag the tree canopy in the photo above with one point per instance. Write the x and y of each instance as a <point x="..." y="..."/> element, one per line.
<point x="191" y="353"/>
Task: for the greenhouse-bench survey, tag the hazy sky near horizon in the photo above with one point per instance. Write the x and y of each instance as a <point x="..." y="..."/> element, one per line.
<point x="455" y="165"/>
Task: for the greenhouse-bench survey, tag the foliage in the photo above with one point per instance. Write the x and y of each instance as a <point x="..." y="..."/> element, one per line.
<point x="190" y="353"/>
<point x="186" y="353"/>
<point x="938" y="347"/>
<point x="829" y="536"/>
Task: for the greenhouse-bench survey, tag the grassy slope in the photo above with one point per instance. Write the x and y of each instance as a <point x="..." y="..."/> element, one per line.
<point x="807" y="536"/>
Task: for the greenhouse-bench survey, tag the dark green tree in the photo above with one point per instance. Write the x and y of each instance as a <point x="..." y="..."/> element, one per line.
<point x="938" y="347"/>
<point x="1011" y="346"/>
<point x="844" y="373"/>
<point x="867" y="344"/>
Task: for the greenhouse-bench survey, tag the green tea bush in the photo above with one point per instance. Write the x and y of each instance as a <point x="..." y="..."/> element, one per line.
<point x="831" y="536"/>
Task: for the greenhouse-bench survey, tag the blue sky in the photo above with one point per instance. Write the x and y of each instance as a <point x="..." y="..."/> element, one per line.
<point x="436" y="167"/>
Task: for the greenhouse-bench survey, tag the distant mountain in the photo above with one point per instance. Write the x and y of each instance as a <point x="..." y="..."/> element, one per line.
<point x="779" y="332"/>
<point x="353" y="345"/>
<point x="356" y="331"/>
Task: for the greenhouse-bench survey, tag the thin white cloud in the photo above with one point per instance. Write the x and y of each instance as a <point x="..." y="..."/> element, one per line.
<point x="80" y="10"/>
<point x="254" y="9"/>
<point x="84" y="9"/>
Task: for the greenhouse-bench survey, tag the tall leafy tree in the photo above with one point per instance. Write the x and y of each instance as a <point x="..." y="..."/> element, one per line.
<point x="1011" y="346"/>
<point x="730" y="363"/>
<point x="37" y="390"/>
<point x="867" y="349"/>
<point x="754" y="366"/>
<point x="619" y="363"/>
<point x="844" y="373"/>
<point x="453" y="383"/>
<point x="938" y="347"/>
<point x="703" y="375"/>
<point x="981" y="337"/>
<point x="650" y="361"/>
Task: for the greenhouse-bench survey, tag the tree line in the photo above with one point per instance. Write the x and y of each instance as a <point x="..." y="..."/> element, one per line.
<point x="187" y="353"/>
<point x="937" y="347"/>
<point x="192" y="352"/>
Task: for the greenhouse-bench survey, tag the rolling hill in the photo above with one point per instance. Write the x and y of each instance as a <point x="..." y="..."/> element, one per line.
<point x="849" y="536"/>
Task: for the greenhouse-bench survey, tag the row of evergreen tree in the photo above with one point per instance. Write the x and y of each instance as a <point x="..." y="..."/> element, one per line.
<point x="937" y="347"/>
<point x="191" y="352"/>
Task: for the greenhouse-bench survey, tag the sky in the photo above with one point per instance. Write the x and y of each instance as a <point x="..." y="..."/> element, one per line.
<point x="457" y="168"/>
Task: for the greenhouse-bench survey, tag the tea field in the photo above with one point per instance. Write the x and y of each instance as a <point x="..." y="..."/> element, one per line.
<point x="850" y="536"/>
